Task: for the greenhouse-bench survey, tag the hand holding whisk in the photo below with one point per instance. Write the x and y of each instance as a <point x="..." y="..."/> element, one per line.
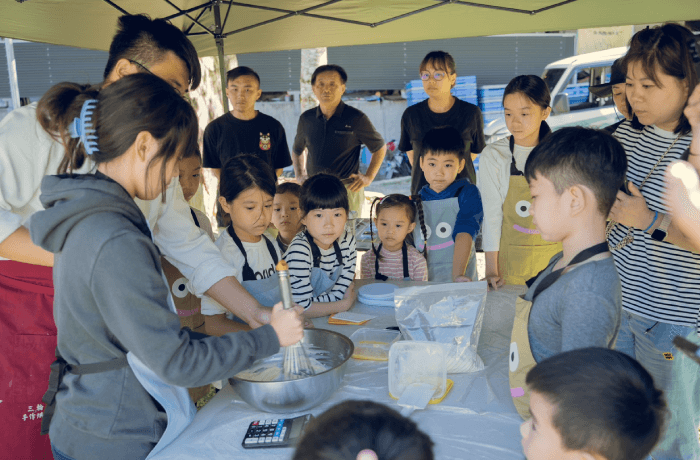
<point x="296" y="359"/>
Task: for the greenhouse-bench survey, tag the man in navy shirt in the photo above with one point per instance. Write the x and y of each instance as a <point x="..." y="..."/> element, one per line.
<point x="332" y="135"/>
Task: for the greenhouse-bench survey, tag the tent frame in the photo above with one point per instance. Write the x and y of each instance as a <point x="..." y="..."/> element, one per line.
<point x="219" y="35"/>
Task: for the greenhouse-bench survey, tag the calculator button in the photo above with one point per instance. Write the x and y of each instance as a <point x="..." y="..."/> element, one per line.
<point x="254" y="423"/>
<point x="274" y="422"/>
<point x="268" y="439"/>
<point x="267" y="422"/>
<point x="251" y="441"/>
<point x="275" y="439"/>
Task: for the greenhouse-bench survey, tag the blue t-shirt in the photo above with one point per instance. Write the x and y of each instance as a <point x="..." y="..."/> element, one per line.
<point x="471" y="211"/>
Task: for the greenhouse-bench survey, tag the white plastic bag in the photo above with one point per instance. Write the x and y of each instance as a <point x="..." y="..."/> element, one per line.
<point x="450" y="314"/>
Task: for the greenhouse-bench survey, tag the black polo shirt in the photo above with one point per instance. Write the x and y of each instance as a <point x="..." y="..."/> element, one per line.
<point x="334" y="144"/>
<point x="263" y="136"/>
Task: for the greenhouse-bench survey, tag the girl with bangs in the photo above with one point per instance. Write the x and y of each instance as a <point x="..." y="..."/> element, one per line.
<point x="438" y="72"/>
<point x="660" y="273"/>
<point x="322" y="258"/>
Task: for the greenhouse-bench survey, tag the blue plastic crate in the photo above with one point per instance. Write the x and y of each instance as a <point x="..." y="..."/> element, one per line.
<point x="466" y="79"/>
<point x="488" y="91"/>
<point x="491" y="107"/>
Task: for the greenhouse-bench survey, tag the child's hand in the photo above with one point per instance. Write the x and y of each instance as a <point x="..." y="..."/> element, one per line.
<point x="288" y="324"/>
<point x="462" y="279"/>
<point x="494" y="281"/>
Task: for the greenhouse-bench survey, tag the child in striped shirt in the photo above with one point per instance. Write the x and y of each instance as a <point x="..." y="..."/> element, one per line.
<point x="394" y="259"/>
<point x="322" y="258"/>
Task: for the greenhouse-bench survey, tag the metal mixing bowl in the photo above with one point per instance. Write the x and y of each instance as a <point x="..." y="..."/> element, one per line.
<point x="328" y="347"/>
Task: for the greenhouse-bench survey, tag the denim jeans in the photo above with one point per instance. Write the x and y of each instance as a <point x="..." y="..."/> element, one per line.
<point x="58" y="455"/>
<point x="651" y="343"/>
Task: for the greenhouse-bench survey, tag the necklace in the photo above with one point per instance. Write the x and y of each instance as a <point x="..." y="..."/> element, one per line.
<point x="629" y="236"/>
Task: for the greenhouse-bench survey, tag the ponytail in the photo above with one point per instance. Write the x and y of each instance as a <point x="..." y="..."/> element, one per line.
<point x="421" y="220"/>
<point x="131" y="105"/>
<point x="56" y="111"/>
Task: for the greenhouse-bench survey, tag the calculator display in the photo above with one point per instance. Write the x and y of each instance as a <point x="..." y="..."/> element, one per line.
<point x="275" y="432"/>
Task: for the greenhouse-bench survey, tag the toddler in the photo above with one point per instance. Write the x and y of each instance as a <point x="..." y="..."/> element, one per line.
<point x="394" y="258"/>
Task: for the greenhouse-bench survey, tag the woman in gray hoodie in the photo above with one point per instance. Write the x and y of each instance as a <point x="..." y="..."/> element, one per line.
<point x="117" y="329"/>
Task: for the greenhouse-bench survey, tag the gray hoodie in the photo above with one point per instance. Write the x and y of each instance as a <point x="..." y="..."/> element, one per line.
<point x="110" y="299"/>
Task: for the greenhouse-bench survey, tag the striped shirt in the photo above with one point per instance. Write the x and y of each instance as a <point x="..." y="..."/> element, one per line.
<point x="300" y="261"/>
<point x="660" y="281"/>
<point x="391" y="264"/>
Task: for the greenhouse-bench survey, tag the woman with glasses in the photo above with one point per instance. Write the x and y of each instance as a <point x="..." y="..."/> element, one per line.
<point x="438" y="72"/>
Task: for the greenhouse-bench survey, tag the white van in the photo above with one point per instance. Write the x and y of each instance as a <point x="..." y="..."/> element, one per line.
<point x="572" y="104"/>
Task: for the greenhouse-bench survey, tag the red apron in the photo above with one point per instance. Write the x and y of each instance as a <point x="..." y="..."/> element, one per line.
<point x="27" y="349"/>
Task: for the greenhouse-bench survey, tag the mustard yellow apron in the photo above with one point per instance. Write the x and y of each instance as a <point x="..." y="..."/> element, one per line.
<point x="523" y="253"/>
<point x="520" y="358"/>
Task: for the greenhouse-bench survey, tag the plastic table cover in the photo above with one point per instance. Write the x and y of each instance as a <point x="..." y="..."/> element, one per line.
<point x="477" y="419"/>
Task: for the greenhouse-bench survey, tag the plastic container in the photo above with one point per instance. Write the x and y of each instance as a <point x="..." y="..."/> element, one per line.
<point x="417" y="362"/>
<point x="373" y="344"/>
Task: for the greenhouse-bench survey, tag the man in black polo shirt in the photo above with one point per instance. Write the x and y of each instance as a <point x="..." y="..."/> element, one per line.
<point x="244" y="129"/>
<point x="332" y="135"/>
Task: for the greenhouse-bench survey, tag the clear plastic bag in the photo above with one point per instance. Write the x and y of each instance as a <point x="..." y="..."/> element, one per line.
<point x="451" y="314"/>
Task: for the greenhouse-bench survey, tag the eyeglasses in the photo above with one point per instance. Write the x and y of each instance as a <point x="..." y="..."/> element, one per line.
<point x="437" y="76"/>
<point x="137" y="63"/>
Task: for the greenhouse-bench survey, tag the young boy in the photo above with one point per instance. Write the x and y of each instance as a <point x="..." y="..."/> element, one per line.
<point x="592" y="404"/>
<point x="576" y="301"/>
<point x="451" y="209"/>
<point x="286" y="213"/>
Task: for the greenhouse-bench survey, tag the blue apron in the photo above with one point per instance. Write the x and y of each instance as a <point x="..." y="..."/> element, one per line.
<point x="440" y="217"/>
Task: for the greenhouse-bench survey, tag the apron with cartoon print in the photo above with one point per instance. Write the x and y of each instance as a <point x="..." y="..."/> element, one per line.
<point x="267" y="290"/>
<point x="520" y="358"/>
<point x="523" y="253"/>
<point x="189" y="306"/>
<point x="440" y="217"/>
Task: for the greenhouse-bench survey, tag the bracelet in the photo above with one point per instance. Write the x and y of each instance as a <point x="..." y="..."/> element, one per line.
<point x="656" y="216"/>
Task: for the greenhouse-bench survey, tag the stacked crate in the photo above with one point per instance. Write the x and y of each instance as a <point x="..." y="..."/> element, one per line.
<point x="465" y="89"/>
<point x="491" y="102"/>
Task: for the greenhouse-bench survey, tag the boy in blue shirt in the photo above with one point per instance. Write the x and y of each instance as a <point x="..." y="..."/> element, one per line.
<point x="449" y="209"/>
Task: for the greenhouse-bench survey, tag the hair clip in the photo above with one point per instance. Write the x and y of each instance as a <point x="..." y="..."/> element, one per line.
<point x="366" y="454"/>
<point x="81" y="127"/>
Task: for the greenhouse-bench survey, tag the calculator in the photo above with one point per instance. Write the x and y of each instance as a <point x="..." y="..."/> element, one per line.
<point x="275" y="432"/>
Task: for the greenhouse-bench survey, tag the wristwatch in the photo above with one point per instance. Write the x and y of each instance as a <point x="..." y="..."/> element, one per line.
<point x="662" y="230"/>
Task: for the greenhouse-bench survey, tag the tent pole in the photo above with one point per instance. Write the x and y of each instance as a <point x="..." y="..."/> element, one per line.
<point x="218" y="35"/>
<point x="12" y="71"/>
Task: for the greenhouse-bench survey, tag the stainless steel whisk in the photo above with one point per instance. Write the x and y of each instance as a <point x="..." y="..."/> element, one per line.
<point x="296" y="359"/>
